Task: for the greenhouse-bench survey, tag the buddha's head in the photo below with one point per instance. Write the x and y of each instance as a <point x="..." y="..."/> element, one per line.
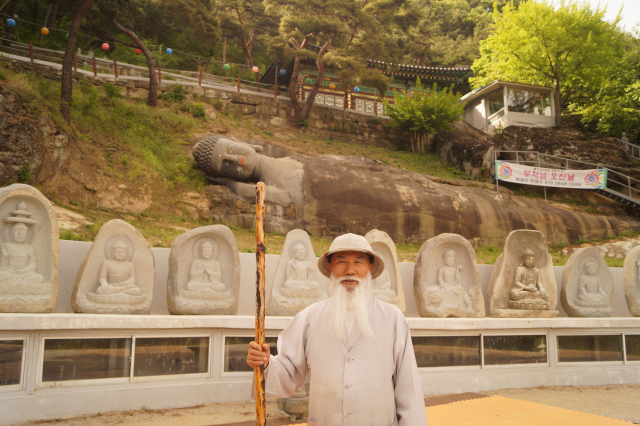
<point x="206" y="250"/>
<point x="226" y="157"/>
<point x="299" y="252"/>
<point x="528" y="258"/>
<point x="590" y="268"/>
<point x="450" y="257"/>
<point x="19" y="232"/>
<point x="119" y="251"/>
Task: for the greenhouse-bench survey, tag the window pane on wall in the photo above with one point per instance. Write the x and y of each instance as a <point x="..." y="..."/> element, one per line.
<point x="503" y="350"/>
<point x="527" y="102"/>
<point x="85" y="359"/>
<point x="176" y="355"/>
<point x="589" y="348"/>
<point x="10" y="361"/>
<point x="632" y="342"/>
<point x="495" y="101"/>
<point x="446" y="351"/>
<point x="235" y="352"/>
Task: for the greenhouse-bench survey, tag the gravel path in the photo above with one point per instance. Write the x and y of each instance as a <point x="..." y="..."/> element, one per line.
<point x="616" y="401"/>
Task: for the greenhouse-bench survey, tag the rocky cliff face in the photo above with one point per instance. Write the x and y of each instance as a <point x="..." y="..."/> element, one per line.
<point x="31" y="148"/>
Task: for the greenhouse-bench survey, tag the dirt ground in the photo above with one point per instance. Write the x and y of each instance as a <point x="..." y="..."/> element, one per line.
<point x="615" y="401"/>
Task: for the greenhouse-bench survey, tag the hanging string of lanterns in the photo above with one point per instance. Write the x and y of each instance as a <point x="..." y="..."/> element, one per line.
<point x="105" y="46"/>
<point x="283" y="71"/>
<point x="11" y="22"/>
<point x="44" y="31"/>
<point x="138" y="51"/>
<point x="169" y="51"/>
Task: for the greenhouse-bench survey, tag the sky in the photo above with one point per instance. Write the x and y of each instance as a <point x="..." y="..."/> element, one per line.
<point x="630" y="12"/>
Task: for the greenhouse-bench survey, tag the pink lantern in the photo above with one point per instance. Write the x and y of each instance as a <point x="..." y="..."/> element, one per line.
<point x="105" y="46"/>
<point x="255" y="69"/>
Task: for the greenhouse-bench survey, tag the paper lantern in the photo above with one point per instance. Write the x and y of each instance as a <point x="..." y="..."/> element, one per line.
<point x="332" y="86"/>
<point x="138" y="51"/>
<point x="255" y="69"/>
<point x="356" y="89"/>
<point x="44" y="31"/>
<point x="11" y="22"/>
<point x="105" y="46"/>
<point x="169" y="51"/>
<point x="227" y="67"/>
<point x="283" y="71"/>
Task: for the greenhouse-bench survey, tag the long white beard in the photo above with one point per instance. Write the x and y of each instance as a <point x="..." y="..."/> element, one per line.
<point x="350" y="307"/>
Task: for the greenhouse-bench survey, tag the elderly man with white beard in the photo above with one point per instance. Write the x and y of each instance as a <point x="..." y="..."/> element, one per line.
<point x="359" y="349"/>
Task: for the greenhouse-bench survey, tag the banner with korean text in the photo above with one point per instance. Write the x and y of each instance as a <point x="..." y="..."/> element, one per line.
<point x="527" y="175"/>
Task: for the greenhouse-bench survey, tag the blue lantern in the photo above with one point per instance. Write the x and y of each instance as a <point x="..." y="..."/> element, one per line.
<point x="169" y="51"/>
<point x="356" y="89"/>
<point x="11" y="23"/>
<point x="283" y="71"/>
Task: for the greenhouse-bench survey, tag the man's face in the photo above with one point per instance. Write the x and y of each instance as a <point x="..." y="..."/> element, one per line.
<point x="350" y="263"/>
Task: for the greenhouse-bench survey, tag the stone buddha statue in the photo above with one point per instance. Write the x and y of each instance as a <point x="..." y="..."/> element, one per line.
<point x="451" y="297"/>
<point x="205" y="273"/>
<point x="117" y="275"/>
<point x="18" y="267"/>
<point x="591" y="293"/>
<point x="381" y="287"/>
<point x="527" y="291"/>
<point x="299" y="276"/>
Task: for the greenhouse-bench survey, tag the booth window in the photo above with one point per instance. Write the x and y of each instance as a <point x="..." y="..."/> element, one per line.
<point x="495" y="101"/>
<point x="86" y="359"/>
<point x="596" y="348"/>
<point x="527" y="102"/>
<point x="632" y="343"/>
<point x="161" y="356"/>
<point x="10" y="361"/>
<point x="446" y="351"/>
<point x="235" y="352"/>
<point x="504" y="350"/>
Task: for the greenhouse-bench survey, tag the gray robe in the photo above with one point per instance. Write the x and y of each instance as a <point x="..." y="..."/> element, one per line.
<point x="358" y="382"/>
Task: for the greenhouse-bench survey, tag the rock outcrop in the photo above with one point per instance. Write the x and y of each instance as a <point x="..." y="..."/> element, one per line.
<point x="467" y="149"/>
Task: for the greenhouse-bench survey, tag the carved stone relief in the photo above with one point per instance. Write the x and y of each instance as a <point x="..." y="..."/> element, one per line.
<point x="388" y="286"/>
<point x="446" y="281"/>
<point x="587" y="285"/>
<point x="297" y="282"/>
<point x="204" y="272"/>
<point x="631" y="273"/>
<point x="522" y="283"/>
<point x="29" y="246"/>
<point x="117" y="275"/>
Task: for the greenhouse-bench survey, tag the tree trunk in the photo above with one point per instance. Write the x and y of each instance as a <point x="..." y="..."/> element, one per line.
<point x="292" y="94"/>
<point x="52" y="20"/>
<point x="67" y="62"/>
<point x="46" y="18"/>
<point x="247" y="51"/>
<point x="558" y="103"/>
<point x="224" y="52"/>
<point x="320" y="64"/>
<point x="15" y="4"/>
<point x="88" y="31"/>
<point x="153" y="83"/>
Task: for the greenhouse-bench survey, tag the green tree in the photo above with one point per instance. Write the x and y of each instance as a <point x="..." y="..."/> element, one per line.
<point x="346" y="33"/>
<point x="570" y="47"/>
<point x="616" y="107"/>
<point x="427" y="112"/>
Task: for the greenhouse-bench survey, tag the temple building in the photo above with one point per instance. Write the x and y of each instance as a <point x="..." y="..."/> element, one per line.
<point x="363" y="98"/>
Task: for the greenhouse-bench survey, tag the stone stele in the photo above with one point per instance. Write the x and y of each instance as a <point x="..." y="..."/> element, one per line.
<point x="587" y="285"/>
<point x="631" y="272"/>
<point x="29" y="266"/>
<point x="522" y="283"/>
<point x="446" y="282"/>
<point x="204" y="272"/>
<point x="297" y="282"/>
<point x="117" y="275"/>
<point x="388" y="286"/>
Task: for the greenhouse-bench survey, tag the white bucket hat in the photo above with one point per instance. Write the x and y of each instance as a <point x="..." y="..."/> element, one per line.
<point x="351" y="242"/>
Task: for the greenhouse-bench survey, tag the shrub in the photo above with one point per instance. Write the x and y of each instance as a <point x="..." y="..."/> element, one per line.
<point x="197" y="110"/>
<point x="24" y="174"/>
<point x="177" y="94"/>
<point x="112" y="91"/>
<point x="217" y="103"/>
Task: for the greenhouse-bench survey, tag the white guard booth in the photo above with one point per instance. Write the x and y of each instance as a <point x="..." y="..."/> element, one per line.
<point x="62" y="364"/>
<point x="501" y="104"/>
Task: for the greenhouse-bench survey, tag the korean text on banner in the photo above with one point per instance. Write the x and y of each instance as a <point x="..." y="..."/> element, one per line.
<point x="526" y="175"/>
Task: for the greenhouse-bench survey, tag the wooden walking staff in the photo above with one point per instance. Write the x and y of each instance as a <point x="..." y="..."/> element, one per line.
<point x="261" y="402"/>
